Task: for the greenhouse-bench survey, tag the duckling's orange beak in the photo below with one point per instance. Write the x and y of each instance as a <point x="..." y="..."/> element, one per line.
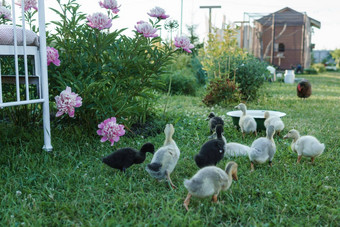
<point x="234" y="175"/>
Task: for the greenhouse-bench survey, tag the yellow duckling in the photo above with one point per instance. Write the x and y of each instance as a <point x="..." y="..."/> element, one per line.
<point x="307" y="146"/>
<point x="209" y="181"/>
<point x="247" y="123"/>
<point x="275" y="121"/>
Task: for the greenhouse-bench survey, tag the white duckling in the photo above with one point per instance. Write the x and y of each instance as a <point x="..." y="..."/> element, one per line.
<point x="263" y="149"/>
<point x="209" y="181"/>
<point x="165" y="159"/>
<point x="307" y="146"/>
<point x="275" y="121"/>
<point x="247" y="123"/>
<point x="233" y="149"/>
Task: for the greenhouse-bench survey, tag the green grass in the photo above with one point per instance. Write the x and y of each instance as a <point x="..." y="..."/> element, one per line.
<point x="71" y="187"/>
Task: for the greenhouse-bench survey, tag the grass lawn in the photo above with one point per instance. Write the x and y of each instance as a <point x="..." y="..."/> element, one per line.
<point x="70" y="186"/>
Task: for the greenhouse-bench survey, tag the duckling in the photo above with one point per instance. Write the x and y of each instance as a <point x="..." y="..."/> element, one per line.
<point x="212" y="151"/>
<point x="307" y="146"/>
<point x="209" y="181"/>
<point x="165" y="159"/>
<point x="233" y="149"/>
<point x="275" y="121"/>
<point x="263" y="149"/>
<point x="214" y="121"/>
<point x="247" y="123"/>
<point x="125" y="157"/>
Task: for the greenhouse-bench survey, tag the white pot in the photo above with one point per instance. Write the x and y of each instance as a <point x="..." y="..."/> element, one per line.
<point x="289" y="76"/>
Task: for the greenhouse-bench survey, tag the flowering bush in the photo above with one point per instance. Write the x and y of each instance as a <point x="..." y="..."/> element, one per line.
<point x="67" y="101"/>
<point x="158" y="13"/>
<point x="28" y="4"/>
<point x="116" y="75"/>
<point x="110" y="4"/>
<point x="5" y="13"/>
<point x="99" y="21"/>
<point x="52" y="56"/>
<point x="146" y="29"/>
<point x="184" y="43"/>
<point x="110" y="130"/>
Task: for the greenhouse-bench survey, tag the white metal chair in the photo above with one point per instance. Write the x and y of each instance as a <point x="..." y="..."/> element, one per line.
<point x="38" y="77"/>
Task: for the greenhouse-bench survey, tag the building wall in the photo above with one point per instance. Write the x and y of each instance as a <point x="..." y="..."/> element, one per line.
<point x="292" y="40"/>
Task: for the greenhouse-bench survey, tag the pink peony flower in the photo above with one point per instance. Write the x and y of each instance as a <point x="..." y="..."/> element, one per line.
<point x="110" y="4"/>
<point x="184" y="43"/>
<point x="99" y="21"/>
<point x="67" y="101"/>
<point x="5" y="13"/>
<point x="110" y="130"/>
<point x="52" y="56"/>
<point x="28" y="4"/>
<point x="158" y="12"/>
<point x="146" y="29"/>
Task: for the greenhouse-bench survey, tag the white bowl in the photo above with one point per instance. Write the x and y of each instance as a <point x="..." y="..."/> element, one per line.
<point x="257" y="114"/>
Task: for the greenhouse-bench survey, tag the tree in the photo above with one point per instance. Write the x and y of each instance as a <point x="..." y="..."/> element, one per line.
<point x="336" y="55"/>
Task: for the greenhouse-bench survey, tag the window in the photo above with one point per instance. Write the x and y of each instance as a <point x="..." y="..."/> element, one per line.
<point x="281" y="47"/>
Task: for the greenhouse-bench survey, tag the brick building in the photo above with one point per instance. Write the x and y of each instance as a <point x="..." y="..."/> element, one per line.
<point x="290" y="31"/>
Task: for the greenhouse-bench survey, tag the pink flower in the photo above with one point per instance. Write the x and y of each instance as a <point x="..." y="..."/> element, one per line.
<point x="52" y="56"/>
<point x="99" y="21"/>
<point x="158" y="12"/>
<point x="5" y="13"/>
<point x="146" y="29"/>
<point x="28" y="4"/>
<point x="67" y="101"/>
<point x="110" y="130"/>
<point x="110" y="4"/>
<point x="184" y="43"/>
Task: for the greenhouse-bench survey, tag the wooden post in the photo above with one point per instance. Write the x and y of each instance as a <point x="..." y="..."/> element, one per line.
<point x="302" y="59"/>
<point x="273" y="40"/>
<point x="209" y="7"/>
<point x="242" y="32"/>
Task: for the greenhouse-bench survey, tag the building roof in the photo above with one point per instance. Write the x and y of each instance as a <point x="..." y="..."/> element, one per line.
<point x="287" y="16"/>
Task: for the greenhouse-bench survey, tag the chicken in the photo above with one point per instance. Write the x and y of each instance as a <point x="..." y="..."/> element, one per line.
<point x="304" y="89"/>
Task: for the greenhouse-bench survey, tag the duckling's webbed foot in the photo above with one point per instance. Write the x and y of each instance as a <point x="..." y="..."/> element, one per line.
<point x="299" y="159"/>
<point x="214" y="198"/>
<point x="187" y="201"/>
<point x="312" y="160"/>
<point x="270" y="163"/>
<point x="169" y="180"/>
<point x="252" y="167"/>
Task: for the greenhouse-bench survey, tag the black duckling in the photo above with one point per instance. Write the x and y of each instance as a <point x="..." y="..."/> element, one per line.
<point x="214" y="121"/>
<point x="212" y="151"/>
<point x="125" y="157"/>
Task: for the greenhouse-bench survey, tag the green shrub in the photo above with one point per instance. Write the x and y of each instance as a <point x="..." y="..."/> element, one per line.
<point x="182" y="74"/>
<point x="201" y="74"/>
<point x="319" y="67"/>
<point x="221" y="91"/>
<point x="222" y="58"/>
<point x="310" y="71"/>
<point x="182" y="82"/>
<point x="116" y="75"/>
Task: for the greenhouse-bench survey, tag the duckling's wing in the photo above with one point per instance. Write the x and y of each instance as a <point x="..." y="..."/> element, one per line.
<point x="249" y="124"/>
<point x="167" y="156"/>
